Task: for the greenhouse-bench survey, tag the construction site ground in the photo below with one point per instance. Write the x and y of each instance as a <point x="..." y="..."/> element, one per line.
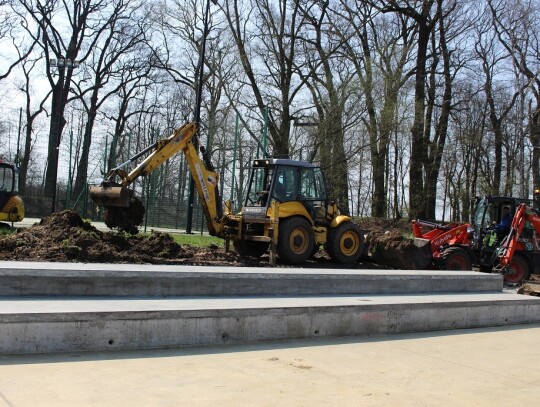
<point x="481" y="367"/>
<point x="477" y="367"/>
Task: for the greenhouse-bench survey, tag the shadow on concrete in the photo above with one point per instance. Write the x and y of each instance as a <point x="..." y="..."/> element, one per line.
<point x="239" y="348"/>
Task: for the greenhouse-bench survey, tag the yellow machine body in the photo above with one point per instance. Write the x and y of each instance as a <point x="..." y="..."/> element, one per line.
<point x="11" y="204"/>
<point x="292" y="222"/>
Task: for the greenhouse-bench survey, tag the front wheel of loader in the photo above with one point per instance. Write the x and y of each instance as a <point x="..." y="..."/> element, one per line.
<point x="345" y="243"/>
<point x="518" y="270"/>
<point x="455" y="258"/>
<point x="296" y="240"/>
<point x="250" y="248"/>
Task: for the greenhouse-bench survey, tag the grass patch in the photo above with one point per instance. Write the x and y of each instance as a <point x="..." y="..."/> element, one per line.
<point x="6" y="229"/>
<point x="197" y="240"/>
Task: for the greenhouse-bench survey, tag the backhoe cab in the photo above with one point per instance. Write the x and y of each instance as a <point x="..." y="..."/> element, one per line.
<point x="291" y="196"/>
<point x="487" y="228"/>
<point x="11" y="204"/>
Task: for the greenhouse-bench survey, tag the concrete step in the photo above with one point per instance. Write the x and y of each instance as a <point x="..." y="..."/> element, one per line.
<point x="61" y="324"/>
<point x="70" y="307"/>
<point x="73" y="279"/>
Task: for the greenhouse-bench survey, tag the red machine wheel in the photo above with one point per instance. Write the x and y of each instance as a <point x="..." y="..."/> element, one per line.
<point x="518" y="270"/>
<point x="455" y="258"/>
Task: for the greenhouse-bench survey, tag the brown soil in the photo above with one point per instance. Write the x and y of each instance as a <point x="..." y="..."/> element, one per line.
<point x="391" y="244"/>
<point x="531" y="287"/>
<point x="395" y="250"/>
<point x="65" y="237"/>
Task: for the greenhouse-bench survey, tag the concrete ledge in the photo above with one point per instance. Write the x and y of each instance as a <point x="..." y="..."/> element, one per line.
<point x="72" y="279"/>
<point x="75" y="325"/>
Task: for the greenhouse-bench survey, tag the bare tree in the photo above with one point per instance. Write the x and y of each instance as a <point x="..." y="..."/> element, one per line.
<point x="425" y="16"/>
<point x="121" y="50"/>
<point x="517" y="25"/>
<point x="489" y="53"/>
<point x="31" y="114"/>
<point x="10" y="32"/>
<point x="266" y="34"/>
<point x="68" y="33"/>
<point x="328" y="79"/>
<point x="385" y="45"/>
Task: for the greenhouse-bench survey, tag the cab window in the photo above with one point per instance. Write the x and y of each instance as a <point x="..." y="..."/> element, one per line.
<point x="312" y="184"/>
<point x="284" y="188"/>
<point x="6" y="179"/>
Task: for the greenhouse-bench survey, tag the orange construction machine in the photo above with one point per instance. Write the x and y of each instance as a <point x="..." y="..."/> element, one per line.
<point x="518" y="255"/>
<point x="491" y="241"/>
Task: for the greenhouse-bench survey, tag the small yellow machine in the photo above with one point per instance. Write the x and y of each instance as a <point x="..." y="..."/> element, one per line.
<point x="11" y="204"/>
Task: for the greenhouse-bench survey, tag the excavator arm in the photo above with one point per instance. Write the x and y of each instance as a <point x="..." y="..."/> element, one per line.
<point x="506" y="250"/>
<point x="117" y="198"/>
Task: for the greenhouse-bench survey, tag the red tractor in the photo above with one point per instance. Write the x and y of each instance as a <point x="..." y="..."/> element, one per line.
<point x="443" y="238"/>
<point x="479" y="243"/>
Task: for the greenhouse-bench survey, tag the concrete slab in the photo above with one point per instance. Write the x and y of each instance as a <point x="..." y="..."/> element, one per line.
<point x="75" y="279"/>
<point x="68" y="325"/>
<point x="71" y="307"/>
<point x="482" y="367"/>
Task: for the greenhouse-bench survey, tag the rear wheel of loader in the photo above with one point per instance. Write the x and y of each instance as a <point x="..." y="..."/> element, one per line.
<point x="296" y="240"/>
<point x="125" y="219"/>
<point x="455" y="258"/>
<point x="518" y="270"/>
<point x="250" y="248"/>
<point x="345" y="243"/>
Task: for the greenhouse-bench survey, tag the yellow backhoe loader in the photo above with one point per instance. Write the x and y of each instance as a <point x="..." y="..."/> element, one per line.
<point x="11" y="204"/>
<point x="286" y="210"/>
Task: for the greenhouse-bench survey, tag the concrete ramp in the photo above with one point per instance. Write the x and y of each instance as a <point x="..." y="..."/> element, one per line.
<point x="55" y="307"/>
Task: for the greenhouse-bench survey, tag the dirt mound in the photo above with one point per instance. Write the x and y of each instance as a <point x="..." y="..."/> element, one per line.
<point x="64" y="236"/>
<point x="531" y="286"/>
<point x="381" y="225"/>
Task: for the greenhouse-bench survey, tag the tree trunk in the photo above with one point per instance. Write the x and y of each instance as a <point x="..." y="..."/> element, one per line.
<point x="417" y="194"/>
<point x="535" y="141"/>
<point x="82" y="167"/>
<point x="433" y="163"/>
<point x="59" y="97"/>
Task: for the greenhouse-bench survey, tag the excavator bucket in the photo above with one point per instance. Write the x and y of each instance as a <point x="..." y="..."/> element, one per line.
<point x="114" y="195"/>
<point x="397" y="251"/>
<point x="122" y="210"/>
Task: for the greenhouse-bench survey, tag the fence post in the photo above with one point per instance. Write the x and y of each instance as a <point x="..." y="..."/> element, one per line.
<point x="234" y="158"/>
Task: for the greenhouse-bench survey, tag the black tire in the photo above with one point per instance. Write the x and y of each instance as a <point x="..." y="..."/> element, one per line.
<point x="345" y="243"/>
<point x="296" y="240"/>
<point x="518" y="270"/>
<point x="455" y="258"/>
<point x="250" y="248"/>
